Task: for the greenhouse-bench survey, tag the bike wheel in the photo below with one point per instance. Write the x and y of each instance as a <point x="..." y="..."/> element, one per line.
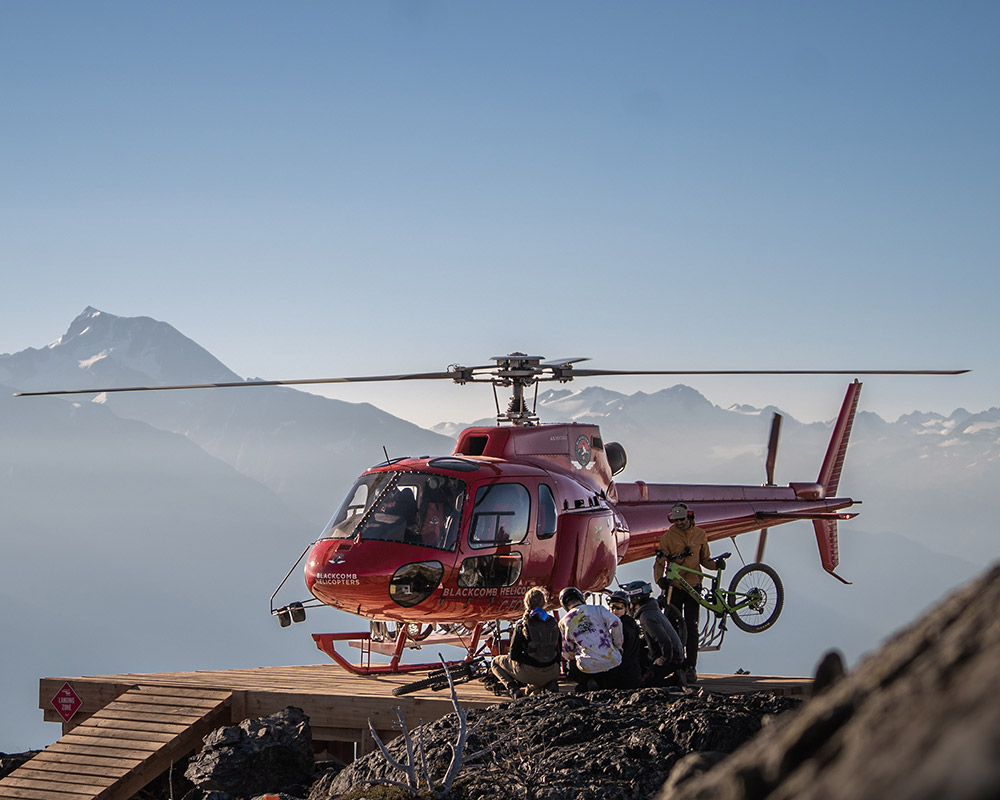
<point x="673" y="614"/>
<point x="760" y="585"/>
<point x="416" y="686"/>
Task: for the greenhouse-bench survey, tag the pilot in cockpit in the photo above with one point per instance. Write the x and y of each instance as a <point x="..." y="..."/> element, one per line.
<point x="434" y="513"/>
<point x="397" y="513"/>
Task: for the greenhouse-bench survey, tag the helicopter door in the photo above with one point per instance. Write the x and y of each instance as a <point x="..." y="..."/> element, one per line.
<point x="500" y="516"/>
<point x="539" y="551"/>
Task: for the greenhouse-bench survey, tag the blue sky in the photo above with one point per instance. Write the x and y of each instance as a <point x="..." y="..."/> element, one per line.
<point x="322" y="188"/>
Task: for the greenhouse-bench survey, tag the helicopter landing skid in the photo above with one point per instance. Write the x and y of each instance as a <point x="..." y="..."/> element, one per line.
<point x="473" y="643"/>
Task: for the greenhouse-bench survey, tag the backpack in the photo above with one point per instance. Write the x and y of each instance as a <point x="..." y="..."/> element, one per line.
<point x="543" y="639"/>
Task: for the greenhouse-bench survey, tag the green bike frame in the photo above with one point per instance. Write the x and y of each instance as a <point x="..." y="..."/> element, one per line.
<point x="754" y="599"/>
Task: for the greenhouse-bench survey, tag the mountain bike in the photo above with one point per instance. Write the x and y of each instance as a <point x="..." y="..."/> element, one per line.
<point x="438" y="679"/>
<point x="754" y="599"/>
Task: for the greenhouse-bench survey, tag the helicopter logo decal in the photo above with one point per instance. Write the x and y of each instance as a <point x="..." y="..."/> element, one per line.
<point x="583" y="451"/>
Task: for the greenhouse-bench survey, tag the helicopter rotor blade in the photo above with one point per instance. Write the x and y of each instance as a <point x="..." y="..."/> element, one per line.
<point x="772" y="448"/>
<point x="416" y="376"/>
<point x="593" y="373"/>
<point x="761" y="542"/>
<point x="515" y="366"/>
<point x="772" y="455"/>
<point x="562" y="362"/>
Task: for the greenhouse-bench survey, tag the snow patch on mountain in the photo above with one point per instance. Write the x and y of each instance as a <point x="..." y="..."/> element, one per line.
<point x="743" y="408"/>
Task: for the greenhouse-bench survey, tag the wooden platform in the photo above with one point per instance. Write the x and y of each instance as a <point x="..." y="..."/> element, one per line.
<point x="130" y="728"/>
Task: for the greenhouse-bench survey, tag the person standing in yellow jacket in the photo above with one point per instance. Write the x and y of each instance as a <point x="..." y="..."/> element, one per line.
<point x="683" y="533"/>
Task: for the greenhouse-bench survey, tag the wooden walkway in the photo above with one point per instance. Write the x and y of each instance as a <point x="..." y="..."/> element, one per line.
<point x="119" y="749"/>
<point x="131" y="728"/>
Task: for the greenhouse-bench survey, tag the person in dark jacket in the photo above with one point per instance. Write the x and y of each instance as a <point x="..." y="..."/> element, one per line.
<point x="628" y="674"/>
<point x="666" y="653"/>
<point x="535" y="650"/>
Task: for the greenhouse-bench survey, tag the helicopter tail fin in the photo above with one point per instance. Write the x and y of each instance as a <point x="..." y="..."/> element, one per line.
<point x="829" y="478"/>
<point x="829" y="548"/>
<point x="833" y="464"/>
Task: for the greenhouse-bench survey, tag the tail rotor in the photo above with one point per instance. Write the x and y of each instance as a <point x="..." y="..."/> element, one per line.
<point x="772" y="454"/>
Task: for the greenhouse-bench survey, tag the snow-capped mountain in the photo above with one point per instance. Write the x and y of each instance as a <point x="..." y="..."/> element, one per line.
<point x="100" y="349"/>
<point x="306" y="448"/>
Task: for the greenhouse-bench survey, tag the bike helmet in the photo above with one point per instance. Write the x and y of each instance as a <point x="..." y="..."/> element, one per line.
<point x="679" y="513"/>
<point x="571" y="595"/>
<point x="618" y="597"/>
<point x="637" y="592"/>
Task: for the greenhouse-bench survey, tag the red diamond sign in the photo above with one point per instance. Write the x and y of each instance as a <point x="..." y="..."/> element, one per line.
<point x="66" y="702"/>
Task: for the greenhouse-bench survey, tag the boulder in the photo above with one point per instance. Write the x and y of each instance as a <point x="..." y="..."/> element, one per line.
<point x="11" y="761"/>
<point x="271" y="754"/>
<point x="919" y="719"/>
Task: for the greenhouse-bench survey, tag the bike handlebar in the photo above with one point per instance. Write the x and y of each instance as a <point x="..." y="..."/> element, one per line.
<point x="674" y="556"/>
<point x="685" y="553"/>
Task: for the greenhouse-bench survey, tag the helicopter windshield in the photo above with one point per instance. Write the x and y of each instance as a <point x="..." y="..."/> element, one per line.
<point x="410" y="507"/>
<point x="357" y="502"/>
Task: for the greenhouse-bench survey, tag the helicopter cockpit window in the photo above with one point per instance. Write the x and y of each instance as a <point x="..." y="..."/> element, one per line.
<point x="416" y="508"/>
<point x="500" y="515"/>
<point x="357" y="502"/>
<point x="547" y="519"/>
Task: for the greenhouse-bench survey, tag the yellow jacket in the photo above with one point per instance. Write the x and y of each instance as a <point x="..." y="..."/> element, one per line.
<point x="674" y="540"/>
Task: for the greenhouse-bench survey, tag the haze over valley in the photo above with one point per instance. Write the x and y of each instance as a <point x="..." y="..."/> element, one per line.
<point x="146" y="532"/>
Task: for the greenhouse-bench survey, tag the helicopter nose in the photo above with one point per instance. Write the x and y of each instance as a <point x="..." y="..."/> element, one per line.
<point x="327" y="567"/>
<point x="347" y="575"/>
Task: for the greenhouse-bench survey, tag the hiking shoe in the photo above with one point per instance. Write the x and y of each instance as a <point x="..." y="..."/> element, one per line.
<point x="690" y="675"/>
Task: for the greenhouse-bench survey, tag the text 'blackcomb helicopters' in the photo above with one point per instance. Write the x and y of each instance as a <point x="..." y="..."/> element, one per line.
<point x="441" y="549"/>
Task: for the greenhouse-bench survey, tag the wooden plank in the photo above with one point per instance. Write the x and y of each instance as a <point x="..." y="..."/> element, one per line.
<point x="28" y="793"/>
<point x="116" y="735"/>
<point x="66" y="776"/>
<point x="159" y="709"/>
<point x="67" y="756"/>
<point x="104" y="747"/>
<point x="81" y="767"/>
<point x="53" y="788"/>
<point x="140" y="721"/>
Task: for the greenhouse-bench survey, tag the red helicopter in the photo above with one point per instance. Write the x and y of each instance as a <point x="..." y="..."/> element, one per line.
<point x="440" y="550"/>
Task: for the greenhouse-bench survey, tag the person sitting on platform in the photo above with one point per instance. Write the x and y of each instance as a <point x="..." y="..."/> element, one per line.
<point x="592" y="641"/>
<point x="535" y="648"/>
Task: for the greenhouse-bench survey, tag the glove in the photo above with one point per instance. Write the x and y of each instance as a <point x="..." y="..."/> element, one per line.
<point x="720" y="563"/>
<point x="660" y="662"/>
<point x="663" y="583"/>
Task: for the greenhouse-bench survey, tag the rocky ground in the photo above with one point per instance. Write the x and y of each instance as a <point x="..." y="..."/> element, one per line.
<point x="918" y="719"/>
<point x="605" y="745"/>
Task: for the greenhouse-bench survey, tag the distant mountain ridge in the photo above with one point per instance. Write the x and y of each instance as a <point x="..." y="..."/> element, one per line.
<point x="153" y="527"/>
<point x="306" y="448"/>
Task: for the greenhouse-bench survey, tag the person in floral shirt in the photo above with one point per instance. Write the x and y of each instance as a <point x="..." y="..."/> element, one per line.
<point x="592" y="641"/>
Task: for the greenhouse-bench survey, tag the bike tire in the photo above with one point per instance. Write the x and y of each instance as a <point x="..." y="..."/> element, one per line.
<point x="762" y="582"/>
<point x="673" y="615"/>
<point x="416" y="686"/>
